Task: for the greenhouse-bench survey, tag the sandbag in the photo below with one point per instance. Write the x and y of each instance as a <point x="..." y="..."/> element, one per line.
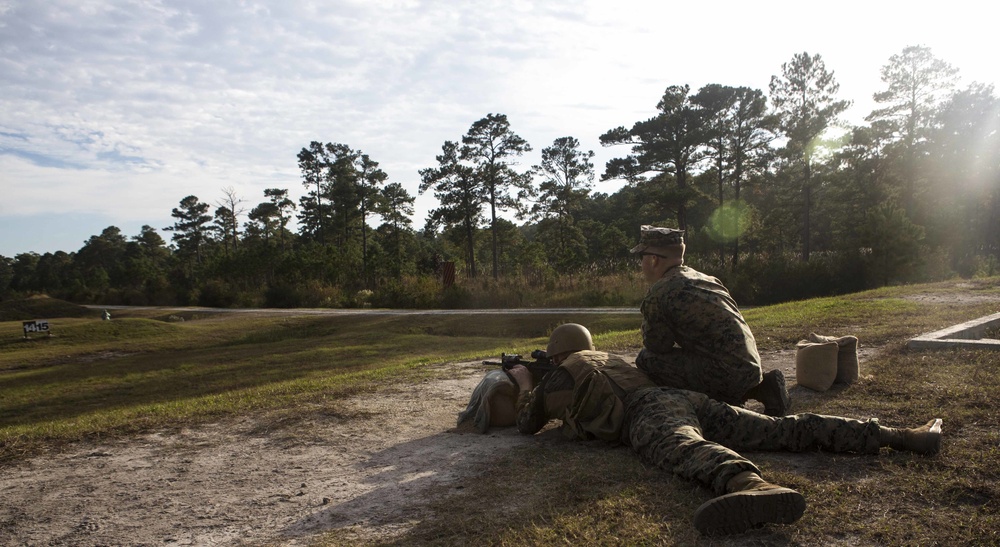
<point x="816" y="364"/>
<point x="488" y="406"/>
<point x="848" y="367"/>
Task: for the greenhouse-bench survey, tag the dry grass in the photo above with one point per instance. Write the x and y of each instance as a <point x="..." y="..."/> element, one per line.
<point x="590" y="494"/>
<point x="565" y="493"/>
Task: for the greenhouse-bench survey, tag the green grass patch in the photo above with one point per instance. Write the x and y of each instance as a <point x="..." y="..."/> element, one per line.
<point x="879" y="317"/>
<point x="108" y="378"/>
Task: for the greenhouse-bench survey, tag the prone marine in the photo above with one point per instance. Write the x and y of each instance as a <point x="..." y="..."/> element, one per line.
<point x="596" y="395"/>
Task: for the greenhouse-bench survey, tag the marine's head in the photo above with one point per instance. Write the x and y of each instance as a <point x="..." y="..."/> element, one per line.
<point x="566" y="339"/>
<point x="659" y="249"/>
<point x="654" y="239"/>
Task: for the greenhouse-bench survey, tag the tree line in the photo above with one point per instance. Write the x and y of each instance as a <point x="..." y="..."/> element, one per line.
<point x="775" y="201"/>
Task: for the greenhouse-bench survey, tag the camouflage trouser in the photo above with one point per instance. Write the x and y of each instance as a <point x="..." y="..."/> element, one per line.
<point x="696" y="438"/>
<point x="683" y="369"/>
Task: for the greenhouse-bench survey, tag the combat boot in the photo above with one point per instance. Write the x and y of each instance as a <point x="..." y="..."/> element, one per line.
<point x="922" y="440"/>
<point x="751" y="502"/>
<point x="772" y="393"/>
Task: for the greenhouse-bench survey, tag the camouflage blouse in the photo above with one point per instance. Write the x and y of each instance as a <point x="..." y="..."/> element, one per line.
<point x="586" y="393"/>
<point x="696" y="312"/>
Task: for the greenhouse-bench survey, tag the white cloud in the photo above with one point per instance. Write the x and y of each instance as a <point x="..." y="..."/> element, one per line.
<point x="120" y="108"/>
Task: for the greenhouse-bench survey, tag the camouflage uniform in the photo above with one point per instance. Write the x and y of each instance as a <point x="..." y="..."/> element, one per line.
<point x="715" y="352"/>
<point x="680" y="431"/>
<point x="695" y="437"/>
<point x="586" y="392"/>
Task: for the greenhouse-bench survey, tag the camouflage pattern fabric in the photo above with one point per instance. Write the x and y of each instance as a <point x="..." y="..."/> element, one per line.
<point x="586" y="393"/>
<point x="715" y="352"/>
<point x="695" y="437"/>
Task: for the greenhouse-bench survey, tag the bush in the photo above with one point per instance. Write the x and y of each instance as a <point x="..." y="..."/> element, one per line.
<point x="978" y="266"/>
<point x="281" y="296"/>
<point x="132" y="297"/>
<point x="763" y="280"/>
<point x="456" y="297"/>
<point x="362" y="299"/>
<point x="934" y="266"/>
<point x="421" y="292"/>
<point x="216" y="294"/>
<point x="311" y="294"/>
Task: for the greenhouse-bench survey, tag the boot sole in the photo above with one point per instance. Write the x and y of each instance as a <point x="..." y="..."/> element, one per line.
<point x="741" y="511"/>
<point x="786" y="401"/>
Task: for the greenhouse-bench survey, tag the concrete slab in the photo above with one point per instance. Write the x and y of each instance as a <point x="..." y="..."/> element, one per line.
<point x="965" y="335"/>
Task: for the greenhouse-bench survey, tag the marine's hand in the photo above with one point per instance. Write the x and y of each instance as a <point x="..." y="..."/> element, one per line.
<point x="522" y="376"/>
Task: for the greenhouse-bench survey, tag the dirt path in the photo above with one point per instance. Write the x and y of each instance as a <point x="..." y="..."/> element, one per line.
<point x="251" y="481"/>
<point x="262" y="480"/>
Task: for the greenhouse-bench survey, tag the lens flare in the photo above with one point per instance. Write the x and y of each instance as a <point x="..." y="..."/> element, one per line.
<point x="729" y="221"/>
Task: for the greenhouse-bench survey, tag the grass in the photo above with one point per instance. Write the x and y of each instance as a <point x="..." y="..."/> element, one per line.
<point x="904" y="499"/>
<point x="140" y="373"/>
<point x="591" y="494"/>
<point x="884" y="316"/>
<point x="135" y="373"/>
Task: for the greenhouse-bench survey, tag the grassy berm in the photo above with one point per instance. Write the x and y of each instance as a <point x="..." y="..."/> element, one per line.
<point x="158" y="370"/>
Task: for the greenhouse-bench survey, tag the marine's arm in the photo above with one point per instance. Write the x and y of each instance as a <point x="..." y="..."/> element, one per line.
<point x="657" y="328"/>
<point x="530" y="409"/>
<point x="709" y="321"/>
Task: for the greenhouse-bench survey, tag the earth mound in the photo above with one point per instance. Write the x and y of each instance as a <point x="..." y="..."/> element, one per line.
<point x="41" y="307"/>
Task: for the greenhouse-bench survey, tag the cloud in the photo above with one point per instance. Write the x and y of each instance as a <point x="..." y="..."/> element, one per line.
<point x="126" y="107"/>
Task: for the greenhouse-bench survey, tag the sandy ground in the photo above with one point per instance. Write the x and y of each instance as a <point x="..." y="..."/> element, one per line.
<point x="262" y="480"/>
<point x="255" y="480"/>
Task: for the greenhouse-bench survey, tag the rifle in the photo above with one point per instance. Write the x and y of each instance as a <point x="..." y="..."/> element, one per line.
<point x="541" y="365"/>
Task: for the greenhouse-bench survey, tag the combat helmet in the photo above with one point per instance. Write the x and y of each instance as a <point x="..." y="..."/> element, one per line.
<point x="569" y="337"/>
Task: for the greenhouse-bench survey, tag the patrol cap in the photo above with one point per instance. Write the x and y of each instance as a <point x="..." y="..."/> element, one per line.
<point x="656" y="237"/>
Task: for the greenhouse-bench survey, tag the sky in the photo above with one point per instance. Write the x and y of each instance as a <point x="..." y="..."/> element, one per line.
<point x="113" y="111"/>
